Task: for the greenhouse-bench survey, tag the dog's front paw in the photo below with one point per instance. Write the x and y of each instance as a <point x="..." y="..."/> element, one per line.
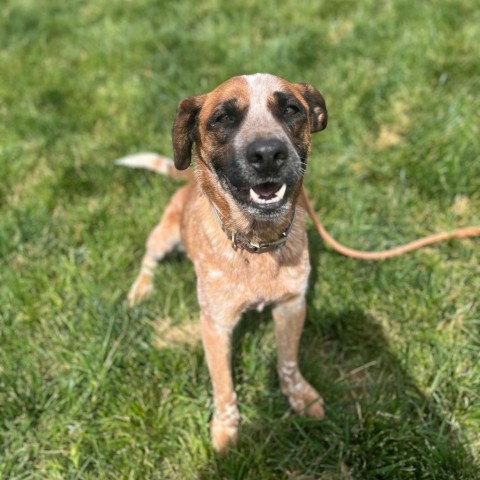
<point x="141" y="289"/>
<point x="224" y="430"/>
<point x="303" y="398"/>
<point x="306" y="400"/>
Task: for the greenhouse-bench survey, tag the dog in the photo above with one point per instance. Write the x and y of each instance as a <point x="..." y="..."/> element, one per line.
<point x="241" y="220"/>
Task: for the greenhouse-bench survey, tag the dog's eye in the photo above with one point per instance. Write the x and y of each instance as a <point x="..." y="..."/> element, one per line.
<point x="290" y="110"/>
<point x="223" y="119"/>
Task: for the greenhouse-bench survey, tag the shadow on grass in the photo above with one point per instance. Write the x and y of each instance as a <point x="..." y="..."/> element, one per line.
<point x="378" y="424"/>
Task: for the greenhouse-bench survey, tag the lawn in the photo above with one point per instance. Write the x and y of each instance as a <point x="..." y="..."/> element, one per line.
<point x="90" y="389"/>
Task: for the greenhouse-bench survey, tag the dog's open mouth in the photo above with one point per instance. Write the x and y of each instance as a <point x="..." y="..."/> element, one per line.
<point x="264" y="198"/>
<point x="267" y="193"/>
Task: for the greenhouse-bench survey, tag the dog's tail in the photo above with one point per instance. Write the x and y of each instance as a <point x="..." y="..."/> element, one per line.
<point x="156" y="163"/>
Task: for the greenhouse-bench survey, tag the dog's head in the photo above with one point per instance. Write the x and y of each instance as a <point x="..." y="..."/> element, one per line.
<point x="252" y="134"/>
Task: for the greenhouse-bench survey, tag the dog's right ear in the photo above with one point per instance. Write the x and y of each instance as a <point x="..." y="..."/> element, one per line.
<point x="183" y="131"/>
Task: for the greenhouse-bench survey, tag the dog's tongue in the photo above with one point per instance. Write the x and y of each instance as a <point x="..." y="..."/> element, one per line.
<point x="267" y="190"/>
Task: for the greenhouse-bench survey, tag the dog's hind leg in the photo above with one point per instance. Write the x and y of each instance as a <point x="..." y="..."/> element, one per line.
<point x="161" y="241"/>
<point x="289" y="319"/>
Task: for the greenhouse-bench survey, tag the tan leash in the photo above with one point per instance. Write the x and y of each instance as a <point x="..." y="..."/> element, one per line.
<point x="382" y="254"/>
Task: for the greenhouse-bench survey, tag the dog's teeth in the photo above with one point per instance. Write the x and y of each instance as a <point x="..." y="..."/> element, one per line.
<point x="255" y="197"/>
<point x="280" y="194"/>
<point x="277" y="197"/>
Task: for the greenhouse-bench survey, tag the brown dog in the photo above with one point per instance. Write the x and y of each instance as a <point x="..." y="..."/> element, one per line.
<point x="241" y="220"/>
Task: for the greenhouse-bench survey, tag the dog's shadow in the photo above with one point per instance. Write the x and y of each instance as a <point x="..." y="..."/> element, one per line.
<point x="378" y="423"/>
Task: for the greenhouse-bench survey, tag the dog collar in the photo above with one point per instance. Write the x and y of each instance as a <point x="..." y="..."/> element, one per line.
<point x="238" y="240"/>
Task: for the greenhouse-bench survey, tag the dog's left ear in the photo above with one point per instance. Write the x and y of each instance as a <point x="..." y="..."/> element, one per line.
<point x="184" y="129"/>
<point x="317" y="106"/>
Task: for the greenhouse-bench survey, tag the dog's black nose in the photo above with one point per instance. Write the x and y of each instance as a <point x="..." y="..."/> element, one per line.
<point x="267" y="155"/>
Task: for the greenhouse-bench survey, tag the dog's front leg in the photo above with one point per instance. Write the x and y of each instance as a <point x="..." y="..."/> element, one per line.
<point x="289" y="318"/>
<point x="217" y="341"/>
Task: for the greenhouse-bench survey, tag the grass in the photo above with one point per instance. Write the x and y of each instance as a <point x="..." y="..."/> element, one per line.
<point x="393" y="346"/>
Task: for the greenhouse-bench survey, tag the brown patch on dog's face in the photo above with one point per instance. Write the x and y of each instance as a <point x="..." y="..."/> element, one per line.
<point x="252" y="135"/>
<point x="220" y="120"/>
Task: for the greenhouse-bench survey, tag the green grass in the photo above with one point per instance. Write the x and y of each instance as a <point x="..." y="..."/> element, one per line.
<point x="393" y="346"/>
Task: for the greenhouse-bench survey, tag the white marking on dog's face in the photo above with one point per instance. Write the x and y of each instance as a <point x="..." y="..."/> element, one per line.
<point x="259" y="120"/>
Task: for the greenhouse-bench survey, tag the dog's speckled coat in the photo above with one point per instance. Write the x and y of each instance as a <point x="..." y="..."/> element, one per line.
<point x="224" y="126"/>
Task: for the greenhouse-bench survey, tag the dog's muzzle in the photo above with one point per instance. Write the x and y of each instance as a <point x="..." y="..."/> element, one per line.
<point x="263" y="175"/>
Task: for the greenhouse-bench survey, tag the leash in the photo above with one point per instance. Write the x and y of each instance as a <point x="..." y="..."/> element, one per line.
<point x="382" y="254"/>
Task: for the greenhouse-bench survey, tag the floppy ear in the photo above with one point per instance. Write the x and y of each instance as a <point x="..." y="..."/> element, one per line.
<point x="316" y="104"/>
<point x="183" y="131"/>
